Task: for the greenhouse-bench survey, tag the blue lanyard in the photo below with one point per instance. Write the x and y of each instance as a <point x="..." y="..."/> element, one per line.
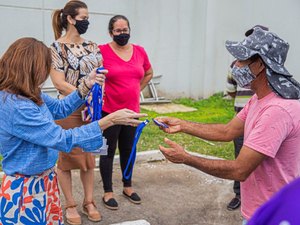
<point x="129" y="167"/>
<point x="96" y="102"/>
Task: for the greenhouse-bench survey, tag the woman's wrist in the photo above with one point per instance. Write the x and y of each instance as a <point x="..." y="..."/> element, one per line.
<point x="83" y="89"/>
<point x="86" y="84"/>
<point x="106" y="122"/>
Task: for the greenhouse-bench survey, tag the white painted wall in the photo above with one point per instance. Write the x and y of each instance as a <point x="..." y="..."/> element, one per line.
<point x="184" y="38"/>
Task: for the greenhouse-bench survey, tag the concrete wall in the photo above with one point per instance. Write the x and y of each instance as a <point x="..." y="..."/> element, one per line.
<point x="184" y="38"/>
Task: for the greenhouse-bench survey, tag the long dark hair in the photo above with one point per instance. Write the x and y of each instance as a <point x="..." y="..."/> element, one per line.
<point x="115" y="19"/>
<point x="59" y="16"/>
<point x="24" y="67"/>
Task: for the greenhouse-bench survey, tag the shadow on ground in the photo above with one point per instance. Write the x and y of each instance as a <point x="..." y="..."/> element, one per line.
<point x="172" y="195"/>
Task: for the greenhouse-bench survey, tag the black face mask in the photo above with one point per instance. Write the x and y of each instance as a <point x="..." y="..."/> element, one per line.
<point x="121" y="39"/>
<point x="82" y="26"/>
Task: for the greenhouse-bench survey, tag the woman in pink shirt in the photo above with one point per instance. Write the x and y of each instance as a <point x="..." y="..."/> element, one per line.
<point x="129" y="72"/>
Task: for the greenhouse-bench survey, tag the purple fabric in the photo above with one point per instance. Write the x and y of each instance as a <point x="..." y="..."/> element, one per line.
<point x="282" y="209"/>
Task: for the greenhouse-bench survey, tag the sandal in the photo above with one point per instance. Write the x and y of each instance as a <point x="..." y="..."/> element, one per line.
<point x="76" y="220"/>
<point x="94" y="216"/>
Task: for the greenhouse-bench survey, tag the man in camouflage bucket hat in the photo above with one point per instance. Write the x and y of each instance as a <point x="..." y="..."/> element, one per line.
<point x="241" y="97"/>
<point x="270" y="122"/>
<point x="273" y="51"/>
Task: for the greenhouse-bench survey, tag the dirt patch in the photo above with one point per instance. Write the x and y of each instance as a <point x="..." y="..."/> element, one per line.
<point x="168" y="108"/>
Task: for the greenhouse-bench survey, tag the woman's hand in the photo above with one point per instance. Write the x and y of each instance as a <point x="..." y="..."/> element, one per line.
<point x="126" y="117"/>
<point x="121" y="117"/>
<point x="94" y="77"/>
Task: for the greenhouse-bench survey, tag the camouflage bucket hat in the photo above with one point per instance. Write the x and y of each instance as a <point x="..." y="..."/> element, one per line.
<point x="273" y="51"/>
<point x="284" y="86"/>
<point x="271" y="48"/>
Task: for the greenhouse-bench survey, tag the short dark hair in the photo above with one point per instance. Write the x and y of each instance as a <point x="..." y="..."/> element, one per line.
<point x="115" y="19"/>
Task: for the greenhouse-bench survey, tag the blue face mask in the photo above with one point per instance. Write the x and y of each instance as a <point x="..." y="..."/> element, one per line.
<point x="243" y="76"/>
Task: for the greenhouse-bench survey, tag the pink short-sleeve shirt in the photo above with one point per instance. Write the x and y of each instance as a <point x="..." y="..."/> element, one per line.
<point x="122" y="84"/>
<point x="272" y="127"/>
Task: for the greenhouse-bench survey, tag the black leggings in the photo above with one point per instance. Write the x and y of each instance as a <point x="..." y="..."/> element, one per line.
<point x="124" y="135"/>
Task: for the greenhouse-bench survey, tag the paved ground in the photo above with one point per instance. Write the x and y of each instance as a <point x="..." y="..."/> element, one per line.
<point x="172" y="195"/>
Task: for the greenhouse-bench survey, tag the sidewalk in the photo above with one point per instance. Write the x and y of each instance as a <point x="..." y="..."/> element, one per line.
<point x="172" y="194"/>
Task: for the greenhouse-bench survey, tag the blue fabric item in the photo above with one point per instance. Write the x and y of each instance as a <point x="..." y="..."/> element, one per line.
<point x="29" y="137"/>
<point x="129" y="167"/>
<point x="283" y="208"/>
<point x="96" y="102"/>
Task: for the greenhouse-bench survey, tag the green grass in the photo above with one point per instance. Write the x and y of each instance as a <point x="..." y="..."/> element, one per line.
<point x="212" y="110"/>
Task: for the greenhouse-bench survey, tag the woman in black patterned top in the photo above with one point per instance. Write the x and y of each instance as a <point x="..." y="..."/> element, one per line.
<point x="73" y="59"/>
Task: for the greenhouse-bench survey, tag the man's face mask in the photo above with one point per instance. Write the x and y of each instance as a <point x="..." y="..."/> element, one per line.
<point x="243" y="76"/>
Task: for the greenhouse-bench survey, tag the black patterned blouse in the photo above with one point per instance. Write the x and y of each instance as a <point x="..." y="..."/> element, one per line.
<point x="75" y="60"/>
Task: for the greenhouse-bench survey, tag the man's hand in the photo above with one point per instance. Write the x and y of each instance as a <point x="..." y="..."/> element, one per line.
<point x="176" y="153"/>
<point x="174" y="124"/>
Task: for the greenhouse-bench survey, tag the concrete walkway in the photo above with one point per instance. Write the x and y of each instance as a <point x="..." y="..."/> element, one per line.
<point x="172" y="194"/>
